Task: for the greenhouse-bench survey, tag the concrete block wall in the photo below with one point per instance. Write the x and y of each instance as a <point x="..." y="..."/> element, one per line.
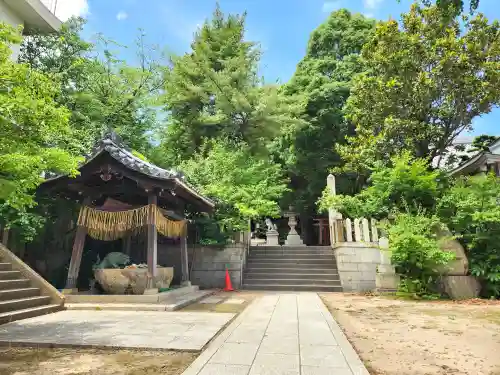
<point x="209" y="265"/>
<point x="357" y="265"/>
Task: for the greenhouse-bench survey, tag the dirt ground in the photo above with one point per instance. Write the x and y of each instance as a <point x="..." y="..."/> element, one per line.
<point x="28" y="361"/>
<point x="398" y="337"/>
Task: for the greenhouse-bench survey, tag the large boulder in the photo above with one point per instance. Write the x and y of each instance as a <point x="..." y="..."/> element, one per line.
<point x="460" y="287"/>
<point x="459" y="266"/>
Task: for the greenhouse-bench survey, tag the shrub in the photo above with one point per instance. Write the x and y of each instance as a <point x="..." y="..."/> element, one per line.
<point x="471" y="209"/>
<point x="416" y="253"/>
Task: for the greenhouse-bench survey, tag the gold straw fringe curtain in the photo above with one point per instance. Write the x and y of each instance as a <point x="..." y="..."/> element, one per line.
<point x="109" y="226"/>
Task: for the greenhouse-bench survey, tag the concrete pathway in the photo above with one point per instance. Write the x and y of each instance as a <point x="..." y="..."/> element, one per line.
<point x="117" y="329"/>
<point x="283" y="334"/>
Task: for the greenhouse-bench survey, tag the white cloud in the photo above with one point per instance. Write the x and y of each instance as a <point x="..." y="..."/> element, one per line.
<point x="372" y="4"/>
<point x="65" y="9"/>
<point x="330" y="6"/>
<point x="368" y="15"/>
<point x="121" y="15"/>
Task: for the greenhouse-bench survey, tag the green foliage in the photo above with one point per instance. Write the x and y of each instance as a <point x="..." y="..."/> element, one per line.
<point x="214" y="92"/>
<point x="322" y="85"/>
<point x="456" y="6"/>
<point x="471" y="209"/>
<point x="482" y="143"/>
<point x="101" y="91"/>
<point x="407" y="184"/>
<point x="139" y="155"/>
<point x="244" y="186"/>
<point x="416" y="253"/>
<point x="425" y="80"/>
<point x="209" y="231"/>
<point x="34" y="131"/>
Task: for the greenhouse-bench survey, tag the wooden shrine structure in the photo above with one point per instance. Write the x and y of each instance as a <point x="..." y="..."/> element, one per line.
<point x="120" y="193"/>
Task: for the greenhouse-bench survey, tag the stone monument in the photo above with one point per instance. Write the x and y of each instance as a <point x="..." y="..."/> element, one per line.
<point x="272" y="234"/>
<point x="293" y="238"/>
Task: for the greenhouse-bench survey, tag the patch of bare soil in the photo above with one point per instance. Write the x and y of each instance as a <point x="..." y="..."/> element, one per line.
<point x="29" y="361"/>
<point x="398" y="337"/>
<point x="223" y="307"/>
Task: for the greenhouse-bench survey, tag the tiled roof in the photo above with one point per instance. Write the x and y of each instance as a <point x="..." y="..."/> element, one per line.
<point x="114" y="146"/>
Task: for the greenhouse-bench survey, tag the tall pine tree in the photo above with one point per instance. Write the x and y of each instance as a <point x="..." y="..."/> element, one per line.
<point x="214" y="92"/>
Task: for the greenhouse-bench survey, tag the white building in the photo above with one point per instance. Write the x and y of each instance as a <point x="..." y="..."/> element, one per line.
<point x="33" y="15"/>
<point x="482" y="162"/>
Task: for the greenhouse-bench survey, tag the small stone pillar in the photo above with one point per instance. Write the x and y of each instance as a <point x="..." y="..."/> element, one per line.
<point x="293" y="238"/>
<point x="386" y="279"/>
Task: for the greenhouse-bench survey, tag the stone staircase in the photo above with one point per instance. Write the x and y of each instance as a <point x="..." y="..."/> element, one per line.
<point x="22" y="297"/>
<point x="306" y="268"/>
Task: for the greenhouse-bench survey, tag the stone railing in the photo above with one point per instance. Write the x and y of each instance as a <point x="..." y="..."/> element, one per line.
<point x="361" y="251"/>
<point x="357" y="230"/>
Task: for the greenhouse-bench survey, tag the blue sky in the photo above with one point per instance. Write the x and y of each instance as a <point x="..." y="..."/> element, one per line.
<point x="281" y="26"/>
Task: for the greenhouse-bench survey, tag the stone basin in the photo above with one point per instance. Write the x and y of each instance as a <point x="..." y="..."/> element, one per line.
<point x="134" y="280"/>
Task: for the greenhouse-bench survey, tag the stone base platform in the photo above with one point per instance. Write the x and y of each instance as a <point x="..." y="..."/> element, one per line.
<point x="172" y="304"/>
<point x="166" y="301"/>
<point x="129" y="298"/>
<point x="151" y="330"/>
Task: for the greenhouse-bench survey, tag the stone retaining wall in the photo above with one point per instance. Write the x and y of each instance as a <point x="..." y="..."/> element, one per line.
<point x="357" y="264"/>
<point x="209" y="265"/>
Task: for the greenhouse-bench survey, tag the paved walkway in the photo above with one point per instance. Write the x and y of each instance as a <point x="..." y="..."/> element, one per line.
<point x="117" y="329"/>
<point x="283" y="334"/>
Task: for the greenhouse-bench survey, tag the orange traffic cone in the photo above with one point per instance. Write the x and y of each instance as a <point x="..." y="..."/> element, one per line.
<point x="229" y="286"/>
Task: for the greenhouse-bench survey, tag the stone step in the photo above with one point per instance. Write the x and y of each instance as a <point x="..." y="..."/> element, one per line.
<point x="279" y="253"/>
<point x="5" y="266"/>
<point x="294" y="288"/>
<point x="291" y="248"/>
<point x="285" y="276"/>
<point x="293" y="270"/>
<point x="14" y="284"/>
<point x="18" y="293"/>
<point x="23" y="303"/>
<point x="10" y="275"/>
<point x="294" y="281"/>
<point x="284" y="261"/>
<point x="290" y="267"/>
<point x="291" y="256"/>
<point x="12" y="316"/>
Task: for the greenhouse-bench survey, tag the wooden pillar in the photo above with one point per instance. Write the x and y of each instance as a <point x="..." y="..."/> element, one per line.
<point x="76" y="254"/>
<point x="152" y="248"/>
<point x="127" y="244"/>
<point x="185" y="260"/>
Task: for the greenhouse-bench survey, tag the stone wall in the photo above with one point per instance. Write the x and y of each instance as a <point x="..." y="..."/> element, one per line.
<point x="209" y="265"/>
<point x="357" y="263"/>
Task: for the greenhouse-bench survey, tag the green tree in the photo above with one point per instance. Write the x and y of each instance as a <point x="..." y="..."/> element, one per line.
<point x="214" y="92"/>
<point x="322" y="82"/>
<point x="426" y="79"/>
<point x="101" y="91"/>
<point x="406" y="185"/>
<point x="457" y="6"/>
<point x="245" y="186"/>
<point x="482" y="143"/>
<point x="34" y="131"/>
